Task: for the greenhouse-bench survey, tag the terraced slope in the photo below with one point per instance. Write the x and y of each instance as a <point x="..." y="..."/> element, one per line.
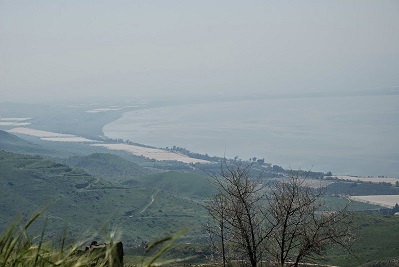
<point x="181" y="183"/>
<point x="80" y="202"/>
<point x="109" y="166"/>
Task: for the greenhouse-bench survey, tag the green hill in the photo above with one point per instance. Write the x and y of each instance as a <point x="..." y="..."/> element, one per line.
<point x="108" y="166"/>
<point x="83" y="202"/>
<point x="167" y="203"/>
<point x="13" y="143"/>
<point x="376" y="243"/>
<point x="182" y="183"/>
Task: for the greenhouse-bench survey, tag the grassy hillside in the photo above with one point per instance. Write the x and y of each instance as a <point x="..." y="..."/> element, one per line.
<point x="108" y="166"/>
<point x="86" y="204"/>
<point x="13" y="143"/>
<point x="181" y="183"/>
<point x="377" y="238"/>
<point x="82" y="202"/>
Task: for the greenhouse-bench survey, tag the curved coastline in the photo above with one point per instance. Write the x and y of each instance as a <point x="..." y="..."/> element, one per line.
<point x="347" y="140"/>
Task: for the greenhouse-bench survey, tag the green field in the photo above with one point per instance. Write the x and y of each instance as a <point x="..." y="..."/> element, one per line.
<point x="181" y="183"/>
<point x="108" y="166"/>
<point x="377" y="238"/>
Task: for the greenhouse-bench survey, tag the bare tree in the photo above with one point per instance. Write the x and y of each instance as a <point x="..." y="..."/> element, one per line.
<point x="237" y="213"/>
<point x="285" y="223"/>
<point x="301" y="228"/>
<point x="217" y="230"/>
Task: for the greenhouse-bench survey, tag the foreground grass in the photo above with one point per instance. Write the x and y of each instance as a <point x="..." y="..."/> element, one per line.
<point x="377" y="244"/>
<point x="17" y="248"/>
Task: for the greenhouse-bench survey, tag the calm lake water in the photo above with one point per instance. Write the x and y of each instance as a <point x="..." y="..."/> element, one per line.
<point x="346" y="135"/>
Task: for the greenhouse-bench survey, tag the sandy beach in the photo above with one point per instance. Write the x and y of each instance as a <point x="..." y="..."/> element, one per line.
<point x="152" y="153"/>
<point x="391" y="180"/>
<point x="388" y="201"/>
<point x="50" y="136"/>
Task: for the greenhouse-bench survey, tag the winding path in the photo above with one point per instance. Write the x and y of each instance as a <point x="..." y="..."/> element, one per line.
<point x="152" y="200"/>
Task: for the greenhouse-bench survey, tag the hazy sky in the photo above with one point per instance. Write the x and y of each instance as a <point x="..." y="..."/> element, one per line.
<point x="61" y="49"/>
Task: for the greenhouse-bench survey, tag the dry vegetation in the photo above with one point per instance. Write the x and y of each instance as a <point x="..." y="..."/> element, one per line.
<point x="152" y="153"/>
<point x="384" y="179"/>
<point x="14" y="121"/>
<point x="50" y="136"/>
<point x="67" y="139"/>
<point x="388" y="201"/>
<point x="97" y="110"/>
<point x="38" y="133"/>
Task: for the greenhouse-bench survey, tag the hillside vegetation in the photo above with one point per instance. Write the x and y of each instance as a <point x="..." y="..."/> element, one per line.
<point x="108" y="166"/>
<point x="182" y="183"/>
<point x="13" y="143"/>
<point x="376" y="239"/>
<point x="91" y="194"/>
<point x="81" y="202"/>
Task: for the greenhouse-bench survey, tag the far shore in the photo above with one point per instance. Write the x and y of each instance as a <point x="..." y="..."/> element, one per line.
<point x="388" y="201"/>
<point x="152" y="153"/>
<point x="383" y="179"/>
<point x="50" y="136"/>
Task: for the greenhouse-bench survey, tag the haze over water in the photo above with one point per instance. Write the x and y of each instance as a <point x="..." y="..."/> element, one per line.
<point x="67" y="50"/>
<point x="354" y="135"/>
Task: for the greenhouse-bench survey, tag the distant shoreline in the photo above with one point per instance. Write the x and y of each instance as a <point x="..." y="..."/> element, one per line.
<point x="152" y="153"/>
<point x="345" y="135"/>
